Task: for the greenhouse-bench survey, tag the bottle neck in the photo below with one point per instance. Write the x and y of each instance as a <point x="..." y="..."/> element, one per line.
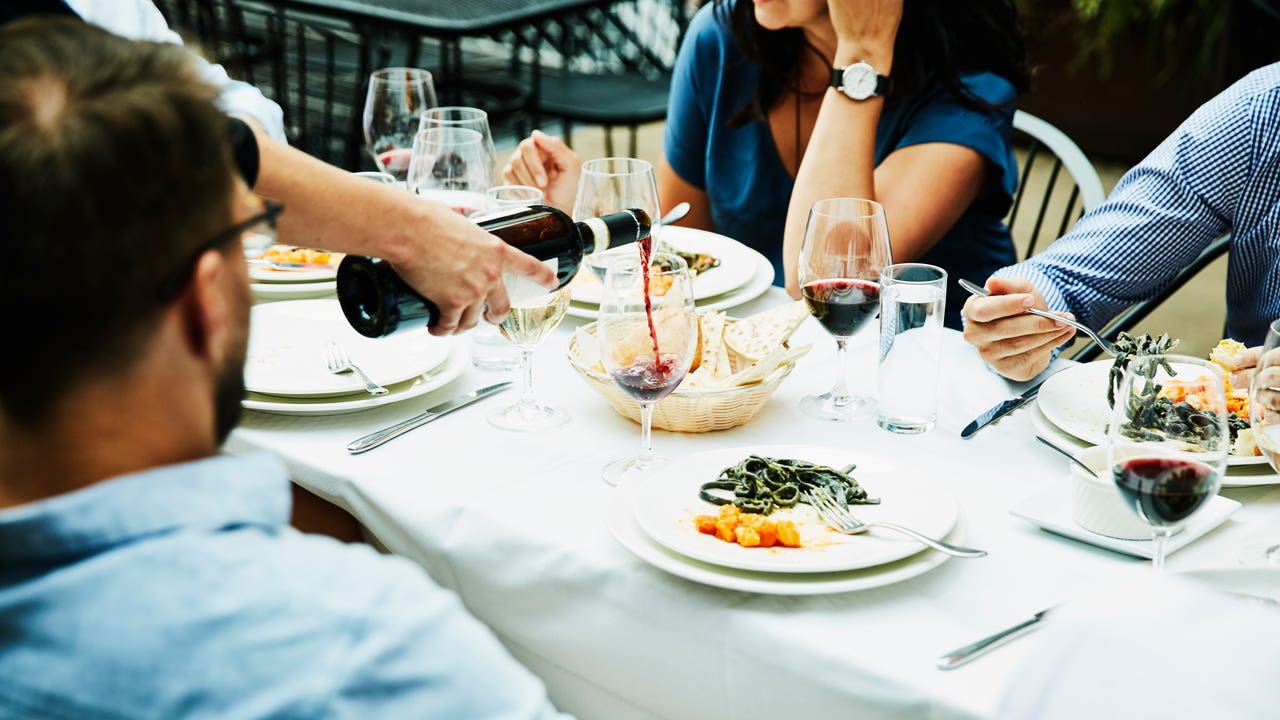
<point x="619" y="228"/>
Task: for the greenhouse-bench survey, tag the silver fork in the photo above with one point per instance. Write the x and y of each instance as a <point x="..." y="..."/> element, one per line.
<point x="841" y="520"/>
<point x="337" y="361"/>
<point x="1102" y="342"/>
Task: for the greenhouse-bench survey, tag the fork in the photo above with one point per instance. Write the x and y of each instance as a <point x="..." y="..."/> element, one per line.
<point x="841" y="520"/>
<point x="337" y="361"/>
<point x="1102" y="342"/>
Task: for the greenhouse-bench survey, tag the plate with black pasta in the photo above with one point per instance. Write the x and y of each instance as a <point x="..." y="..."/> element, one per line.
<point x="673" y="506"/>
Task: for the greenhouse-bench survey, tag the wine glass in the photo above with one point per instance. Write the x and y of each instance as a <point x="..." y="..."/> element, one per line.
<point x="450" y="165"/>
<point x="515" y="196"/>
<point x="392" y="108"/>
<point x="1167" y="444"/>
<point x="528" y="322"/>
<point x="647" y="333"/>
<point x="1264" y="417"/>
<point x="846" y="245"/>
<point x="613" y="184"/>
<point x="468" y="118"/>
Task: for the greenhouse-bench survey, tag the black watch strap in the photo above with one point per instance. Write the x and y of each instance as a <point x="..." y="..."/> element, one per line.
<point x="882" y="81"/>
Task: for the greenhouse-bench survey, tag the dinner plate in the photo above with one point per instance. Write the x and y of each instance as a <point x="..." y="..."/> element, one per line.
<point x="667" y="502"/>
<point x="625" y="529"/>
<point x="259" y="273"/>
<point x="1075" y="399"/>
<point x="759" y="284"/>
<point x="275" y="292"/>
<point x="287" y="351"/>
<point x="737" y="264"/>
<point x="1238" y="474"/>
<point x="1051" y="510"/>
<point x="458" y="359"/>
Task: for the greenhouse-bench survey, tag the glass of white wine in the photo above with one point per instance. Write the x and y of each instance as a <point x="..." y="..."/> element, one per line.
<point x="530" y="320"/>
<point x="1264" y="418"/>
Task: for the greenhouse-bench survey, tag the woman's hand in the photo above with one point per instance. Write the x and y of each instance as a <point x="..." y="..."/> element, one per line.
<point x="869" y="26"/>
<point x="548" y="164"/>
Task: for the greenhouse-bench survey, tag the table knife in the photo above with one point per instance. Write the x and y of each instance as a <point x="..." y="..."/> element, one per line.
<point x="961" y="656"/>
<point x="1001" y="410"/>
<point x="373" y="440"/>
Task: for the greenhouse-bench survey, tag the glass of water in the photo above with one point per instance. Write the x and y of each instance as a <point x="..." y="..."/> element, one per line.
<point x="912" y="300"/>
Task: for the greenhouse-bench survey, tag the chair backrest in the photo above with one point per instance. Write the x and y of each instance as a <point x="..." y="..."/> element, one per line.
<point x="1046" y="204"/>
<point x="632" y="35"/>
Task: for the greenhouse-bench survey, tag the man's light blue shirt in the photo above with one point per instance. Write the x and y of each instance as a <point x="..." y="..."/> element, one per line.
<point x="183" y="592"/>
<point x="1219" y="172"/>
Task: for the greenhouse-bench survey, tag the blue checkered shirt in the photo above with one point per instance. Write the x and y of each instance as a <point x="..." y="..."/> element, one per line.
<point x="1219" y="172"/>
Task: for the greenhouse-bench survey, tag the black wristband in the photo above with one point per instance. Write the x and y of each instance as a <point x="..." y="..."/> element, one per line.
<point x="244" y="149"/>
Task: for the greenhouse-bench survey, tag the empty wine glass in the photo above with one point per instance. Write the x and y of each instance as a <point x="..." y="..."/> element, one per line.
<point x="393" y="106"/>
<point x="846" y="245"/>
<point x="515" y="196"/>
<point x="1167" y="444"/>
<point x="647" y="333"/>
<point x="449" y="165"/>
<point x="1264" y="417"/>
<point x="528" y="322"/>
<point x="613" y="184"/>
<point x="468" y="118"/>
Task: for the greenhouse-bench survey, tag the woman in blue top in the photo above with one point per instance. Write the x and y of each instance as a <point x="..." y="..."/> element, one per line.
<point x="756" y="132"/>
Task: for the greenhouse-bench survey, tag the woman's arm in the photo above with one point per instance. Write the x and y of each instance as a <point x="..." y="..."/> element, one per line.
<point x="673" y="190"/>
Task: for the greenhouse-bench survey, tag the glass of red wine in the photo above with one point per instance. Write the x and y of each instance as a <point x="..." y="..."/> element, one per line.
<point x="1167" y="444"/>
<point x="1264" y="419"/>
<point x="647" y="332"/>
<point x="846" y="245"/>
<point x="396" y="99"/>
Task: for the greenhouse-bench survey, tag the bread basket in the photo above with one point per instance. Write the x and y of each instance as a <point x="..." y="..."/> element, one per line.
<point x="685" y="409"/>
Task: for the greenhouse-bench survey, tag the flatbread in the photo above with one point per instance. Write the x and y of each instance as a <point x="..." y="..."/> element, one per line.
<point x="757" y="336"/>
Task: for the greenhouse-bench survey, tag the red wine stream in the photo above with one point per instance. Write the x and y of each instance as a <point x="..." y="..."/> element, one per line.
<point x="646" y="256"/>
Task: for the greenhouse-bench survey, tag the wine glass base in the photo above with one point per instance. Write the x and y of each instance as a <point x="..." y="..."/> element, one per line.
<point x="825" y="407"/>
<point x="534" y="418"/>
<point x="1261" y="556"/>
<point x="619" y="471"/>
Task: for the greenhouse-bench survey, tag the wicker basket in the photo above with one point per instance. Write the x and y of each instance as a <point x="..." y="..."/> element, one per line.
<point x="684" y="410"/>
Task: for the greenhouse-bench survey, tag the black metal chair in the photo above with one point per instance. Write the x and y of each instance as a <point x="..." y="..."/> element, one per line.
<point x="1044" y="205"/>
<point x="615" y="68"/>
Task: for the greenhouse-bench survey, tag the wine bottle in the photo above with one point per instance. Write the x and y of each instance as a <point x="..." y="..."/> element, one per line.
<point x="377" y="302"/>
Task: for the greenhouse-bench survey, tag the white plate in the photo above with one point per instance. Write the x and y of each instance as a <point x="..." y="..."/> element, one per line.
<point x="1260" y="582"/>
<point x="1239" y="474"/>
<point x="274" y="292"/>
<point x="622" y="524"/>
<point x="737" y="264"/>
<point x="261" y="274"/>
<point x="667" y="502"/>
<point x="286" y="351"/>
<point x="761" y="282"/>
<point x="458" y="359"/>
<point x="1075" y="399"/>
<point x="1051" y="510"/>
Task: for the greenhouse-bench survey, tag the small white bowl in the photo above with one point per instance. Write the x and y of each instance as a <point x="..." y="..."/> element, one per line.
<point x="1096" y="504"/>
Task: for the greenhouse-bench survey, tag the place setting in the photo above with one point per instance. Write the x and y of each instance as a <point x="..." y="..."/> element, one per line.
<point x="682" y="519"/>
<point x="286" y="272"/>
<point x="305" y="359"/>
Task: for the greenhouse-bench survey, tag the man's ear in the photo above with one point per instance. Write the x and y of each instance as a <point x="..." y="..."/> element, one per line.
<point x="206" y="308"/>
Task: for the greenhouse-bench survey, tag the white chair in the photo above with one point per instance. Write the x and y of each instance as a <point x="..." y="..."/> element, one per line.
<point x="1042" y="192"/>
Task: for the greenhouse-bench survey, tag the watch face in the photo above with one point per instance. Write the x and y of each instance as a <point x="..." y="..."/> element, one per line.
<point x="859" y="81"/>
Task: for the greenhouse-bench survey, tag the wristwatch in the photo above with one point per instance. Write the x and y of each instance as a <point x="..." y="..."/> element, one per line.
<point x="859" y="81"/>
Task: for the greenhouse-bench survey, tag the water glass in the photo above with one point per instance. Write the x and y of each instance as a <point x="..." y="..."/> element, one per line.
<point x="912" y="301"/>
<point x="395" y="101"/>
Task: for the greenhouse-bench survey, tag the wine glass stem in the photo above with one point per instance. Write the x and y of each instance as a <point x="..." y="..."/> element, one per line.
<point x="646" y="434"/>
<point x="1159" y="537"/>
<point x="527" y="399"/>
<point x="840" y="393"/>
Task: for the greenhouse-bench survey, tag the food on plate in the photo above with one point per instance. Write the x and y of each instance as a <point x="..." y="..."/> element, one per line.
<point x="763" y="484"/>
<point x="748" y="529"/>
<point x="698" y="262"/>
<point x="1128" y="347"/>
<point x="291" y="255"/>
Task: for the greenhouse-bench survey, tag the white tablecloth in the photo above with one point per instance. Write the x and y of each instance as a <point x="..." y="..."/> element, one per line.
<point x="515" y="523"/>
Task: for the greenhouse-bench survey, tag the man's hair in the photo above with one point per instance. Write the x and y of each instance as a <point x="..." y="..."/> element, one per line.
<point x="114" y="168"/>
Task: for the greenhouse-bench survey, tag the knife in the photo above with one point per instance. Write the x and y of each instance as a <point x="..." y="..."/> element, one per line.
<point x="1001" y="410"/>
<point x="962" y="656"/>
<point x="373" y="440"/>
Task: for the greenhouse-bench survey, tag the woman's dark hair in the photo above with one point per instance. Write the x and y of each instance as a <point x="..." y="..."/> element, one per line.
<point x="937" y="39"/>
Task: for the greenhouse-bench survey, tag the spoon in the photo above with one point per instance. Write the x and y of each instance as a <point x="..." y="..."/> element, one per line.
<point x="1070" y="457"/>
<point x="1104" y="344"/>
<point x="675" y="214"/>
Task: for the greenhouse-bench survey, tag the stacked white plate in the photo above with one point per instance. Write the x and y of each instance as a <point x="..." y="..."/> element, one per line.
<point x="270" y="284"/>
<point x="1072" y="409"/>
<point x="742" y="275"/>
<point x="285" y="369"/>
<point x="653" y="517"/>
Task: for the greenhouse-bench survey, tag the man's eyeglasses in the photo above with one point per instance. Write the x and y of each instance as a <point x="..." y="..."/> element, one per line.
<point x="174" y="286"/>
